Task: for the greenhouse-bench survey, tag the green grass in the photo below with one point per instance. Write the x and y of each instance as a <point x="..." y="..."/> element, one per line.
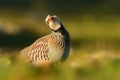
<point x="94" y="66"/>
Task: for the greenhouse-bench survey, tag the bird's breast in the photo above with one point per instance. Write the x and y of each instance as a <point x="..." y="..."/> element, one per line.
<point x="56" y="47"/>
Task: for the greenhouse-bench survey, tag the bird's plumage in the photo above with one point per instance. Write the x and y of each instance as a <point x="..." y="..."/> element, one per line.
<point x="50" y="48"/>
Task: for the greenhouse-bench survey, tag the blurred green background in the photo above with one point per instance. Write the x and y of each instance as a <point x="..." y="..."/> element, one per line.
<point x="95" y="38"/>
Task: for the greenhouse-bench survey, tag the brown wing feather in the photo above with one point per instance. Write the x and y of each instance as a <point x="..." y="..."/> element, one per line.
<point x="23" y="54"/>
<point x="37" y="52"/>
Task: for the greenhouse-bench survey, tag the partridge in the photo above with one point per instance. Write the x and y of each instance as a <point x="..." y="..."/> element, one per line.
<point x="51" y="48"/>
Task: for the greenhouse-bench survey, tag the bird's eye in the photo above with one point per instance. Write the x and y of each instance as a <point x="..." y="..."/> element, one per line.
<point x="50" y="19"/>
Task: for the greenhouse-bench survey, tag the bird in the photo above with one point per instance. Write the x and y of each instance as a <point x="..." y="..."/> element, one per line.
<point x="51" y="48"/>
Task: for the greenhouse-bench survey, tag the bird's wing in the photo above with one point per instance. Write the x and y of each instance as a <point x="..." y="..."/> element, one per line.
<point x="24" y="54"/>
<point x="38" y="51"/>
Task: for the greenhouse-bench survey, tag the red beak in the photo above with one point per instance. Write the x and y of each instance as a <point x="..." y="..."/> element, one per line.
<point x="50" y="18"/>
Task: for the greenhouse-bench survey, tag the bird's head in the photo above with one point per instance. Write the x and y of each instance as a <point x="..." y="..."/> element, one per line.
<point x="53" y="22"/>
